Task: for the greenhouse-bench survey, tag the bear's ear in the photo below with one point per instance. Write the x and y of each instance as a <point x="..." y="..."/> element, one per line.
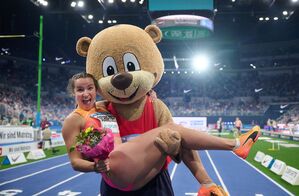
<point x="154" y="32"/>
<point x="83" y="45"/>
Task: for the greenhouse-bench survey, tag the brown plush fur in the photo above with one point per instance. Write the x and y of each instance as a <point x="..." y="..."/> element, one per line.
<point x="110" y="55"/>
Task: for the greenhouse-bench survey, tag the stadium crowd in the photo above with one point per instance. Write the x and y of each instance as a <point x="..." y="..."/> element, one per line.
<point x="214" y="94"/>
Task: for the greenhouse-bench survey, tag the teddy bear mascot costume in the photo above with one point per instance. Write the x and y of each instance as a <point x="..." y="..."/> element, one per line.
<point x="127" y="64"/>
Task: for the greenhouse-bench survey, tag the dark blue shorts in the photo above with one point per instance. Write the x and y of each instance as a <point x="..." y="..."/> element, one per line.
<point x="158" y="186"/>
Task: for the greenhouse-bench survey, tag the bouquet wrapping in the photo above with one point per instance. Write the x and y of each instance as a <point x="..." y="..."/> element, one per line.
<point x="95" y="142"/>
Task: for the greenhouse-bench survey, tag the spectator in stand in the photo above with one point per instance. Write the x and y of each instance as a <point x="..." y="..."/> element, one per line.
<point x="14" y="121"/>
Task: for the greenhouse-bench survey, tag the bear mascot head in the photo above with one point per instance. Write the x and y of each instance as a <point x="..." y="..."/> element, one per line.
<point x="125" y="60"/>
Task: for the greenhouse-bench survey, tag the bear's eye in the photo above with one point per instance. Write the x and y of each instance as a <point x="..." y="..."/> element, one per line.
<point x="109" y="67"/>
<point x="131" y="62"/>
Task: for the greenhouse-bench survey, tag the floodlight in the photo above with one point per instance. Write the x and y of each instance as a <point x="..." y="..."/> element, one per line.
<point x="73" y="4"/>
<point x="200" y="63"/>
<point x="80" y="3"/>
<point x="45" y="3"/>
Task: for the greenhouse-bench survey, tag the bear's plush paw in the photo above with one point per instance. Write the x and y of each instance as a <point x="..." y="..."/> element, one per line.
<point x="169" y="142"/>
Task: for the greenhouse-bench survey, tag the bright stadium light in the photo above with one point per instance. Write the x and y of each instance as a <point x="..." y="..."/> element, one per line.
<point x="80" y="4"/>
<point x="200" y="63"/>
<point x="73" y="4"/>
<point x="45" y="3"/>
<point x="90" y="16"/>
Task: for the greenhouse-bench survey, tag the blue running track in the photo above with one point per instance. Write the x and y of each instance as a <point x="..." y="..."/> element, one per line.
<point x="56" y="177"/>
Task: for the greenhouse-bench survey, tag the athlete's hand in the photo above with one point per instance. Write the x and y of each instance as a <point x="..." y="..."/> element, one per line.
<point x="101" y="166"/>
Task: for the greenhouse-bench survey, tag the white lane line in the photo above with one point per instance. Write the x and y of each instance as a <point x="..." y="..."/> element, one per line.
<point x="217" y="173"/>
<point x="192" y="194"/>
<point x="173" y="171"/>
<point x="35" y="173"/>
<point x="32" y="163"/>
<point x="284" y="189"/>
<point x="62" y="182"/>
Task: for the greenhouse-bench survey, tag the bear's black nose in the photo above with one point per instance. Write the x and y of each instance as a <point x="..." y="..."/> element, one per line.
<point x="122" y="81"/>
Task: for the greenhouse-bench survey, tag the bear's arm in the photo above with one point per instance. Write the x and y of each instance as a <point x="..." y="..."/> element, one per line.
<point x="162" y="112"/>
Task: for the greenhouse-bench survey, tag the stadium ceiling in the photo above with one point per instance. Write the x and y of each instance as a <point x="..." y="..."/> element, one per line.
<point x="236" y="22"/>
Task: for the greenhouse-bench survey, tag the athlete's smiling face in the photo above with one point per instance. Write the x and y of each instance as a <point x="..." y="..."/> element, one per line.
<point x="85" y="93"/>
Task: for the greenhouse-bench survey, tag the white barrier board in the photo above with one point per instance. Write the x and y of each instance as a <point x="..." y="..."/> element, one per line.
<point x="57" y="139"/>
<point x="36" y="154"/>
<point x="16" y="148"/>
<point x="278" y="167"/>
<point x="291" y="175"/>
<point x="267" y="160"/>
<point x="14" y="134"/>
<point x="259" y="156"/>
<point x="15" y="158"/>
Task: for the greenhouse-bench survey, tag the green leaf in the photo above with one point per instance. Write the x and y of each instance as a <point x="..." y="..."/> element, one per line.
<point x="72" y="148"/>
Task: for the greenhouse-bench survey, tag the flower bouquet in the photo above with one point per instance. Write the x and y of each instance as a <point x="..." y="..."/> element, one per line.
<point x="95" y="142"/>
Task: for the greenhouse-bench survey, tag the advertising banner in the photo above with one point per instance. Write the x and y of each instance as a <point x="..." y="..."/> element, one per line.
<point x="198" y="123"/>
<point x="16" y="148"/>
<point x="15" y="134"/>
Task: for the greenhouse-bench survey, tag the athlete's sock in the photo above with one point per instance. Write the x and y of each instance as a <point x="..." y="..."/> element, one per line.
<point x="237" y="145"/>
<point x="208" y="184"/>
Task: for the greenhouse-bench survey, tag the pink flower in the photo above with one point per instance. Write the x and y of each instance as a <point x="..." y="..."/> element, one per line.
<point x="101" y="150"/>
